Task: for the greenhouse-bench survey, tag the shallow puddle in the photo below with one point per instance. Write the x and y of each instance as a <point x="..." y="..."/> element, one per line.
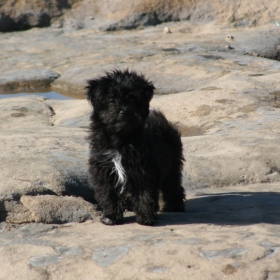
<point x="49" y="95"/>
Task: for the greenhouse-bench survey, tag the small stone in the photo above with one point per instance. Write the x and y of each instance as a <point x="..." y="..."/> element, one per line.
<point x="229" y="47"/>
<point x="167" y="30"/>
<point x="229" y="37"/>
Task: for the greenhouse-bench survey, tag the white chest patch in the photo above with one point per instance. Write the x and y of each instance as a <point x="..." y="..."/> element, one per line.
<point x="117" y="160"/>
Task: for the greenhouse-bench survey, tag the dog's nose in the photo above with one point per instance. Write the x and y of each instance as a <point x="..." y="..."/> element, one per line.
<point x="121" y="113"/>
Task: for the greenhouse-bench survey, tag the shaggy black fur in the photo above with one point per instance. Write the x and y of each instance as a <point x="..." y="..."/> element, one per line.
<point x="135" y="152"/>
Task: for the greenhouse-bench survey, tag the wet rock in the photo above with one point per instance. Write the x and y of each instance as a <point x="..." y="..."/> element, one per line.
<point x="27" y="80"/>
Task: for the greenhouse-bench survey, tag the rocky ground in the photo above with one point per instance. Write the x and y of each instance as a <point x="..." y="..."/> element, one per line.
<point x="218" y="83"/>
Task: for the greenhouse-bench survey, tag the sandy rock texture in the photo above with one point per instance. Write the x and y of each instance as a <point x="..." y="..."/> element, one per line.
<point x="48" y="155"/>
<point x="217" y="240"/>
<point x="113" y="15"/>
<point x="216" y="77"/>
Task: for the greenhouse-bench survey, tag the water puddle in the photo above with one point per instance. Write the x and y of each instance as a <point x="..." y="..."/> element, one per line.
<point x="49" y="95"/>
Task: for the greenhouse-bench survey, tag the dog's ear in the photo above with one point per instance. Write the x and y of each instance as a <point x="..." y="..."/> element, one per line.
<point x="149" y="88"/>
<point x="93" y="91"/>
<point x="143" y="84"/>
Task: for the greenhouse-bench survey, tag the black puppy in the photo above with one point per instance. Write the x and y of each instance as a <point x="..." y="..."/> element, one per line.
<point x="136" y="154"/>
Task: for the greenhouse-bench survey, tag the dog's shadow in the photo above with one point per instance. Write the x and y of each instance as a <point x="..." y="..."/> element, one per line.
<point x="235" y="208"/>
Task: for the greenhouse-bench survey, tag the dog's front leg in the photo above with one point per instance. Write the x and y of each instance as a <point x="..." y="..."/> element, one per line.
<point x="111" y="205"/>
<point x="146" y="207"/>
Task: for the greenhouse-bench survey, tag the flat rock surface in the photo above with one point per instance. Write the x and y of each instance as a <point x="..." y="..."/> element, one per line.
<point x="215" y="83"/>
<point x="232" y="234"/>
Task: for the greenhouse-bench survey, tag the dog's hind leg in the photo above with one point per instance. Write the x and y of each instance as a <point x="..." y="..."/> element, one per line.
<point x="173" y="194"/>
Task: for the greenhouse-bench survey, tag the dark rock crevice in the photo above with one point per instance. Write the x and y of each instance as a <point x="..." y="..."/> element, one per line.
<point x="18" y="15"/>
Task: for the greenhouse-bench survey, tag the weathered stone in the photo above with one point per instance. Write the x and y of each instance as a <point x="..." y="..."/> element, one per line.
<point x="225" y="103"/>
<point x="56" y="170"/>
<point x="54" y="209"/>
<point x="21" y="15"/>
<point x="113" y="15"/>
<point x="32" y="124"/>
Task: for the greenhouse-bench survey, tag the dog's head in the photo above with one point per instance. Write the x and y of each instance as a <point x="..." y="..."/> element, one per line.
<point x="120" y="100"/>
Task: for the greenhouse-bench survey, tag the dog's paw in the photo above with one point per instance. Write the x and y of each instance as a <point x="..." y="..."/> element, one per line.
<point x="110" y="222"/>
<point x="146" y="220"/>
<point x="107" y="221"/>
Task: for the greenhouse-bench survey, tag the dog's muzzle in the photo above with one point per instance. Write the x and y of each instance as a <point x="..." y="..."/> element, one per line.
<point x="129" y="116"/>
